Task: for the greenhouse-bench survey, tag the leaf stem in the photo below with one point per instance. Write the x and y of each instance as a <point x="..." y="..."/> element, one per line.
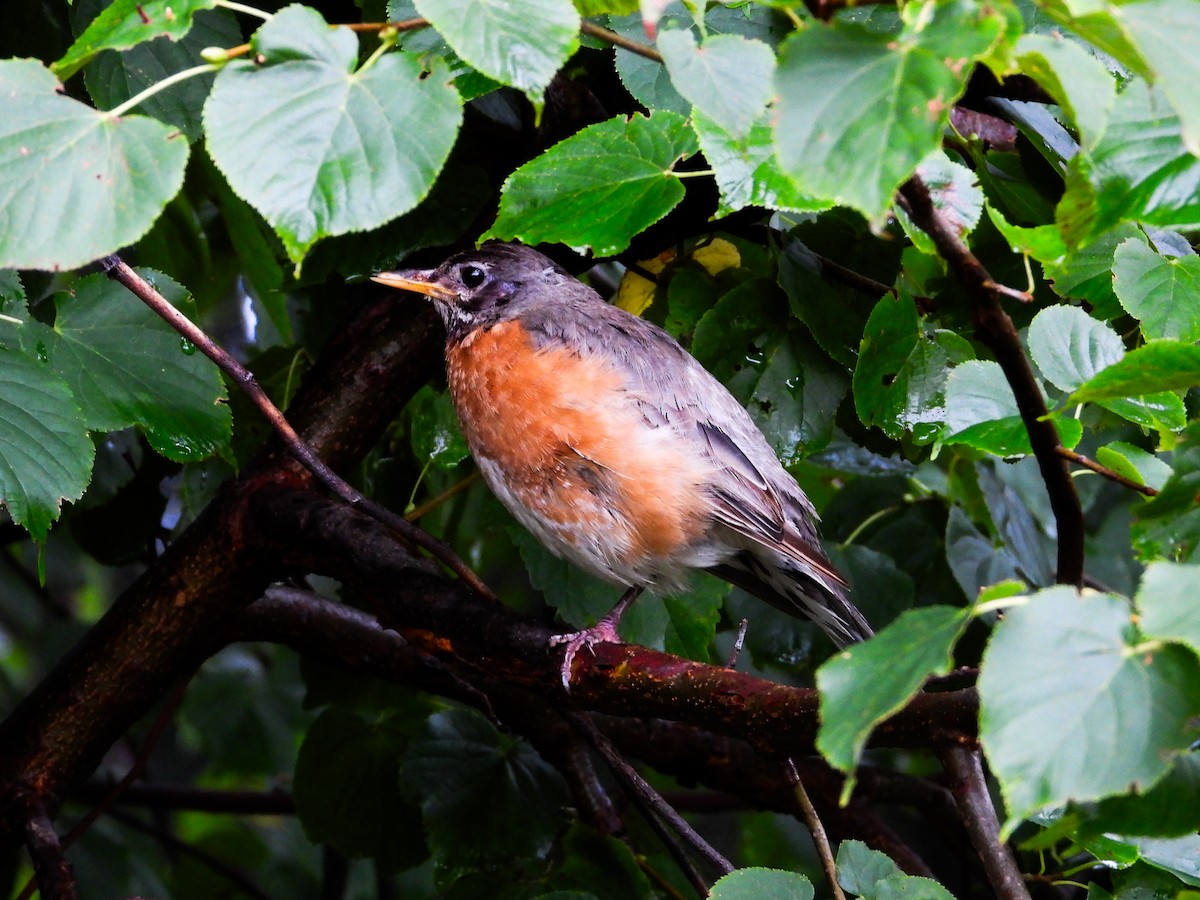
<point x="702" y="173"/>
<point x="11" y="319"/>
<point x="996" y="331"/>
<point x="591" y="29"/>
<point x="117" y="111"/>
<point x="243" y="8"/>
<point x="387" y="40"/>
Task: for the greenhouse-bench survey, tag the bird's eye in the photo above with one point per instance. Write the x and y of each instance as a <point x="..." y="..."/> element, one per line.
<point x="472" y="276"/>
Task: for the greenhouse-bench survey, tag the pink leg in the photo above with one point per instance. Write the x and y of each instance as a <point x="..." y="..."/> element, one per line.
<point x="604" y="631"/>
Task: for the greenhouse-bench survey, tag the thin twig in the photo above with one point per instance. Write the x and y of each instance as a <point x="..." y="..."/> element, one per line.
<point x="816" y="829"/>
<point x="591" y="29"/>
<point x="235" y="878"/>
<point x="430" y="505"/>
<point x="135" y="771"/>
<point x="121" y="272"/>
<point x="1089" y="463"/>
<point x="52" y="874"/>
<point x="658" y="812"/>
<point x="996" y="330"/>
<point x="964" y="764"/>
<point x="157" y="796"/>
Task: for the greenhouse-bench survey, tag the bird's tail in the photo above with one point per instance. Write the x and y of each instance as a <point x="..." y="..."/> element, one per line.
<point x="814" y="592"/>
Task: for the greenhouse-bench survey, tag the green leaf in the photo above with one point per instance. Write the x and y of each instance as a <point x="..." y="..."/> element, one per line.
<point x="650" y="81"/>
<point x="579" y="598"/>
<point x="127" y="23"/>
<point x="1170" y="809"/>
<point x="1169" y="525"/>
<point x="318" y="148"/>
<point x="436" y="435"/>
<point x="1043" y="242"/>
<point x="954" y="190"/>
<point x="76" y="184"/>
<point x="127" y="367"/>
<point x="873" y="876"/>
<point x="728" y="77"/>
<point x="1140" y="170"/>
<point x="1155" y="366"/>
<point x="45" y="453"/>
<point x="13" y="309"/>
<point x="762" y="884"/>
<point x="592" y="860"/>
<point x="1134" y="463"/>
<point x="1179" y="856"/>
<point x="981" y="412"/>
<point x="1166" y="601"/>
<point x="835" y="315"/>
<point x="1070" y="710"/>
<point x="1069" y="346"/>
<point x="1074" y="77"/>
<point x="867" y="682"/>
<point x="598" y="188"/>
<point x="347" y="794"/>
<point x="1086" y="273"/>
<point x="1162" y="293"/>
<point x="112" y="78"/>
<point x="693" y="617"/>
<point x="796" y="395"/>
<point x="522" y="45"/>
<point x="790" y="387"/>
<point x="486" y="798"/>
<point x="900" y="378"/>
<point x="746" y="170"/>
<point x="859" y="867"/>
<point x="859" y="110"/>
<point x="1167" y="35"/>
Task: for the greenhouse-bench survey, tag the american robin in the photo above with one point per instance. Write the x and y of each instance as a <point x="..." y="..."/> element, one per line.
<point x="615" y="447"/>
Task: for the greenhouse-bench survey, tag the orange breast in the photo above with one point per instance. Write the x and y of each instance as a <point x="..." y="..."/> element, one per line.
<point x="565" y="436"/>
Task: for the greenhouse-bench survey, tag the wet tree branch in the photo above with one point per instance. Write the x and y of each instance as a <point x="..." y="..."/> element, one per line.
<point x="997" y="332"/>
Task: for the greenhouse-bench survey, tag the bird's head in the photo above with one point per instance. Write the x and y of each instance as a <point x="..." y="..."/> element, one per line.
<point x="477" y="288"/>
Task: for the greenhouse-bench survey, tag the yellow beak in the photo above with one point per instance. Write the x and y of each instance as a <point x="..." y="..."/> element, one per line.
<point x="417" y="280"/>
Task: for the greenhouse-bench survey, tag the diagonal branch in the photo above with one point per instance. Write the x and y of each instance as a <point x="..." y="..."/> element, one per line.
<point x="965" y="766"/>
<point x="997" y="332"/>
<point x="118" y="270"/>
<point x="1105" y="472"/>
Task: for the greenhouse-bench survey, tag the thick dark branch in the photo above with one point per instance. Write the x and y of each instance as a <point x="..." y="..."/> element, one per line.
<point x="444" y="620"/>
<point x="665" y="821"/>
<point x="964" y="763"/>
<point x="332" y="632"/>
<point x="996" y="330"/>
<point x="159" y="630"/>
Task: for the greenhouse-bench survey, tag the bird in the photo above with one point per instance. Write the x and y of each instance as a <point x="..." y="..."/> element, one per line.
<point x="616" y="448"/>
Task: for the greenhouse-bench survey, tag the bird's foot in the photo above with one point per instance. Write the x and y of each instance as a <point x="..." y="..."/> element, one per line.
<point x="603" y="632"/>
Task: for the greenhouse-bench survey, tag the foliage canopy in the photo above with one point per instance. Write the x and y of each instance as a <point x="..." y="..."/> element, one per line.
<point x="941" y="251"/>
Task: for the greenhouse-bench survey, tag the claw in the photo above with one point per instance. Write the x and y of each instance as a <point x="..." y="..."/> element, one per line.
<point x="603" y="632"/>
